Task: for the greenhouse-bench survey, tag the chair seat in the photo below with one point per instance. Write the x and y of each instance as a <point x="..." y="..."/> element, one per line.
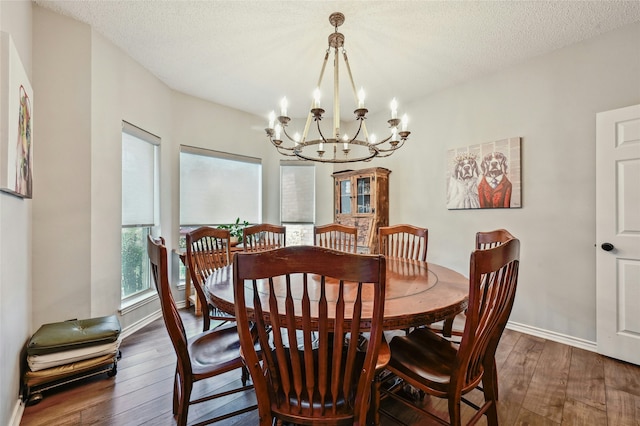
<point x="304" y="406"/>
<point x="215" y="350"/>
<point x="424" y="357"/>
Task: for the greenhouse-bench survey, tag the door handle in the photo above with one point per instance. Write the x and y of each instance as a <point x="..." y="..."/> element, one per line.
<point x="607" y="246"/>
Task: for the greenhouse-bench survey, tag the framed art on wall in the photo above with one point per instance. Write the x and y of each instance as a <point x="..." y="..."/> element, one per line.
<point x="485" y="176"/>
<point x="16" y="122"/>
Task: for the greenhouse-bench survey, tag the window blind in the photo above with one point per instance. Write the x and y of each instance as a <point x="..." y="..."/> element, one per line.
<point x="138" y="176"/>
<point x="217" y="188"/>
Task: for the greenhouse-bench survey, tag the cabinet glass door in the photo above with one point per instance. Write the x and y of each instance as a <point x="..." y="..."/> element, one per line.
<point x="363" y="195"/>
<point x="345" y="196"/>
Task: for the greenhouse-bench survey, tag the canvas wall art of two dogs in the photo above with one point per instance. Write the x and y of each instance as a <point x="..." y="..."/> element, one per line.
<point x="473" y="186"/>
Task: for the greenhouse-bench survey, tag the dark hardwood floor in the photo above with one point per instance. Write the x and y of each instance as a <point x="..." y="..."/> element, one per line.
<point x="541" y="383"/>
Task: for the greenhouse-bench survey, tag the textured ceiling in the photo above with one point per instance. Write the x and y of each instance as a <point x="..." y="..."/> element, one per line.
<point x="248" y="54"/>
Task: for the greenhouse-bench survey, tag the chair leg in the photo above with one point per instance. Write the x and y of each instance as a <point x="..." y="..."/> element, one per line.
<point x="185" y="396"/>
<point x="245" y="375"/>
<point x="490" y="389"/>
<point x="176" y="393"/>
<point x="454" y="411"/>
<point x="495" y="379"/>
<point x="206" y="319"/>
<point x="447" y="327"/>
<point x="374" y="413"/>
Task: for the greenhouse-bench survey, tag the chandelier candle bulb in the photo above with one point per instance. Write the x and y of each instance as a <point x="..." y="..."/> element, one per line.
<point x="278" y="130"/>
<point x="316" y="98"/>
<point x="272" y="119"/>
<point x="283" y="106"/>
<point x="394" y="108"/>
<point x="361" y="98"/>
<point x="405" y="120"/>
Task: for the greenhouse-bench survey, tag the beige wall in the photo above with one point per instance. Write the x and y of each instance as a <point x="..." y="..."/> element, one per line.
<point x="62" y="176"/>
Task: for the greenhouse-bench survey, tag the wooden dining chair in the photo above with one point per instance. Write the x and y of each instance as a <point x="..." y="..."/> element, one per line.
<point x="309" y="374"/>
<point x="434" y="365"/>
<point x="207" y="250"/>
<point x="484" y="240"/>
<point x="405" y="241"/>
<point x="200" y="357"/>
<point x="336" y="236"/>
<point x="263" y="237"/>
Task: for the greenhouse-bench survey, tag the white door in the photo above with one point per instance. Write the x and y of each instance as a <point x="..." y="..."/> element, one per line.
<point x="618" y="233"/>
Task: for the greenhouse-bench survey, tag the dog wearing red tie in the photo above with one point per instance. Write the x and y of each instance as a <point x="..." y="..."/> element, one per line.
<point x="494" y="189"/>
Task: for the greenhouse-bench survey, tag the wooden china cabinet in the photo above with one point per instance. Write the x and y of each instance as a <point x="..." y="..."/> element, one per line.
<point x="361" y="199"/>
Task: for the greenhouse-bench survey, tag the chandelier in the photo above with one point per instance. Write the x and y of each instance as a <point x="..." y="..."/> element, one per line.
<point x="336" y="148"/>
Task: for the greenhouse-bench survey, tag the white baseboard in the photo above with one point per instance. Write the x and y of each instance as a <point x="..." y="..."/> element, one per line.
<point x="128" y="331"/>
<point x="553" y="336"/>
<point x="16" y="417"/>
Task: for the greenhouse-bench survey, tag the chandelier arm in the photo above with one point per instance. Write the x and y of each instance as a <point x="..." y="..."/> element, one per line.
<point x="320" y="132"/>
<point x="382" y="141"/>
<point x="393" y="148"/>
<point x="283" y="150"/>
<point x="280" y="147"/>
<point x="358" y="132"/>
<point x="364" y="130"/>
<point x="293" y="154"/>
<point x="284" y="130"/>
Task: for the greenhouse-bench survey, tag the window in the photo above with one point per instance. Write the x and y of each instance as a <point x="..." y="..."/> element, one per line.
<point x="216" y="188"/>
<point x="297" y="201"/>
<point x="139" y="206"/>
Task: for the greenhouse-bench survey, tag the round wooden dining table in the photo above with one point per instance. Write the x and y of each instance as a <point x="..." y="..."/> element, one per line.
<point x="417" y="293"/>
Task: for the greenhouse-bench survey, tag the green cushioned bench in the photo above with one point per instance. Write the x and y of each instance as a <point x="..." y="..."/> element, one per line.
<point x="68" y="351"/>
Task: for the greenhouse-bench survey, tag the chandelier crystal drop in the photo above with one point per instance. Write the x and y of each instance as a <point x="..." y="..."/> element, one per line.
<point x="337" y="147"/>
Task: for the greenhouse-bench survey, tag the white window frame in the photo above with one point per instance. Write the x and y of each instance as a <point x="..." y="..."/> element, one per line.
<point x="142" y="297"/>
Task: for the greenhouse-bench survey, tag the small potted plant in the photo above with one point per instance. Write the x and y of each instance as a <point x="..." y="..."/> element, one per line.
<point x="236" y="231"/>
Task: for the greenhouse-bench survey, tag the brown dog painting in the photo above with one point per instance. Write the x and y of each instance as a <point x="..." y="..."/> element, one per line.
<point x="463" y="184"/>
<point x="494" y="189"/>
